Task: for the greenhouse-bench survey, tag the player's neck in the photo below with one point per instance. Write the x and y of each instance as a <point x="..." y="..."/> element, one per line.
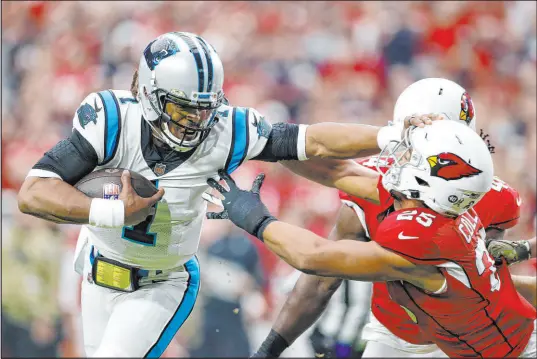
<point x="407" y="204"/>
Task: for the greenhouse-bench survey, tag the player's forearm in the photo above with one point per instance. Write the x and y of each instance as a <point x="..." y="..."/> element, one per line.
<point x="336" y="140"/>
<point x="54" y="200"/>
<point x="295" y="245"/>
<point x="345" y="175"/>
<point x="312" y="254"/>
<point x="527" y="287"/>
<point x="304" y="305"/>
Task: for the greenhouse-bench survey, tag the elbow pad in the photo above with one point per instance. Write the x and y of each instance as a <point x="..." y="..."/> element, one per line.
<point x="282" y="144"/>
<point x="71" y="158"/>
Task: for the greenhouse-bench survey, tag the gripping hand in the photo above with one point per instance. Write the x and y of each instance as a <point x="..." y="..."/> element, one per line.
<point x="243" y="208"/>
<point x="512" y="251"/>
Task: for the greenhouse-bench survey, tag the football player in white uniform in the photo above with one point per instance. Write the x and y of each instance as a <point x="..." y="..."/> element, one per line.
<point x="137" y="256"/>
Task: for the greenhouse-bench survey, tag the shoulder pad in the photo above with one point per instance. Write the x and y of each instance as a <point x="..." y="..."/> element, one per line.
<point x="414" y="233"/>
<point x="98" y="119"/>
<point x="500" y="207"/>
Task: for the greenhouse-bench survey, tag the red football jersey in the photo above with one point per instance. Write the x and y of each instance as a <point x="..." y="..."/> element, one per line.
<point x="480" y="313"/>
<point x="498" y="208"/>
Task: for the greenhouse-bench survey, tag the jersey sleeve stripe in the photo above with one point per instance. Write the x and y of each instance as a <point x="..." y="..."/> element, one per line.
<point x="239" y="139"/>
<point x="504" y="222"/>
<point x="112" y="128"/>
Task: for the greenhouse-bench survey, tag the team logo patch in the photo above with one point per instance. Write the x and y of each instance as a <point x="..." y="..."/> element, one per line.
<point x="159" y="169"/>
<point x="158" y="50"/>
<point x="111" y="191"/>
<point x="86" y="114"/>
<point x="467" y="108"/>
<point x="263" y="127"/>
<point x="451" y="167"/>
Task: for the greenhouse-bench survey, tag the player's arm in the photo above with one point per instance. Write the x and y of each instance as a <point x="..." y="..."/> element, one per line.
<point x="507" y="215"/>
<point x="311" y="294"/>
<point x="337" y="140"/>
<point x="345" y="175"/>
<point x="311" y="253"/>
<point x="48" y="191"/>
<point x="285" y="141"/>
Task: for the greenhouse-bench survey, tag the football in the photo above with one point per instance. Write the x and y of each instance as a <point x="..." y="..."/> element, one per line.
<point x="106" y="183"/>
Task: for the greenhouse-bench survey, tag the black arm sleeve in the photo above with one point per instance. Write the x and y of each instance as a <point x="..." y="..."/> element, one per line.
<point x="281" y="145"/>
<point x="71" y="158"/>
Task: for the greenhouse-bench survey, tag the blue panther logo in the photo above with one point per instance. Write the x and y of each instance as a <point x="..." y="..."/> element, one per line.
<point x="264" y="128"/>
<point x="158" y="50"/>
<point x="86" y="114"/>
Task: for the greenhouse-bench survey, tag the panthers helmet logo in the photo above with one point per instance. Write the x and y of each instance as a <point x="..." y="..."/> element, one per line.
<point x="467" y="108"/>
<point x="449" y="166"/>
<point x="158" y="50"/>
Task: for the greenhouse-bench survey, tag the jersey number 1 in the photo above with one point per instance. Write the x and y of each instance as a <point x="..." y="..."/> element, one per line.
<point x="140" y="233"/>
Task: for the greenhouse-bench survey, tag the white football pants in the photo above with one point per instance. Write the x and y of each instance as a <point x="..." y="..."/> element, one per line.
<point x="139" y="324"/>
<point x="381" y="343"/>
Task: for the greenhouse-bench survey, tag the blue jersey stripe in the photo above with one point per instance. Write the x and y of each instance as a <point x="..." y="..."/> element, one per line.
<point x="239" y="138"/>
<point x="182" y="312"/>
<point x="113" y="124"/>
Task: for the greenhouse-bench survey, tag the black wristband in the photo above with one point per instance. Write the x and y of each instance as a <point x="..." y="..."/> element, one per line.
<point x="273" y="345"/>
<point x="266" y="221"/>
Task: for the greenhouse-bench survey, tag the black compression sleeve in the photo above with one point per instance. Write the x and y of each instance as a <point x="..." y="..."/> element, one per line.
<point x="71" y="159"/>
<point x="273" y="346"/>
<point x="281" y="144"/>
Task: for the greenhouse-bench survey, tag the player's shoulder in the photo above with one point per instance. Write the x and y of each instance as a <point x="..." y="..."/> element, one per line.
<point x="500" y="207"/>
<point x="415" y="233"/>
<point x="240" y="119"/>
<point x="504" y="192"/>
<point x="99" y="119"/>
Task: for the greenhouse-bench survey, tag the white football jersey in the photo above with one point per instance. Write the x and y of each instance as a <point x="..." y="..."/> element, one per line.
<point x="122" y="139"/>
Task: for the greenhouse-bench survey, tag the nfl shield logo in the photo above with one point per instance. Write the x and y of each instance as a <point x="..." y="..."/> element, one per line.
<point x="159" y="169"/>
<point x="111" y="191"/>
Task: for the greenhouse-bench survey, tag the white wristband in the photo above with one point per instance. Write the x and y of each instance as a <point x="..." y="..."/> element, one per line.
<point x="301" y="143"/>
<point x="107" y="213"/>
<point x="387" y="134"/>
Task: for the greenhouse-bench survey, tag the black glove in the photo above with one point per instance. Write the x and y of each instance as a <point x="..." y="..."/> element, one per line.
<point x="243" y="208"/>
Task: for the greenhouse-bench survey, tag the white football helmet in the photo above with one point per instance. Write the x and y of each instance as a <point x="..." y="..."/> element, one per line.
<point x="183" y="69"/>
<point x="446" y="165"/>
<point x="435" y="95"/>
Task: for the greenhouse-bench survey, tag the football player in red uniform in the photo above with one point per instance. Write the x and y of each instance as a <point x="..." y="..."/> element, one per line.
<point x="429" y="246"/>
<point x="392" y="333"/>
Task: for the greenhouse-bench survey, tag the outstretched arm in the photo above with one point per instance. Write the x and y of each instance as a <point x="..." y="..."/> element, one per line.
<point x="311" y="253"/>
<point x="337" y="140"/>
<point x="311" y="293"/>
<point x="345" y="175"/>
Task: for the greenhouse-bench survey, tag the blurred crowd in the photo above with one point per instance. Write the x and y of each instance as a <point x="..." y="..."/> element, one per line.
<point x="300" y="62"/>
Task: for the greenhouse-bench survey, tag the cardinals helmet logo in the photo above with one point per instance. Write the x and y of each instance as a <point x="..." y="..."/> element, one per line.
<point x="467" y="108"/>
<point x="451" y="167"/>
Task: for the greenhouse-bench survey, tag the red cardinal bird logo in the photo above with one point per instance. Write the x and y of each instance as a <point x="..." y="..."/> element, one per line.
<point x="451" y="167"/>
<point x="467" y="108"/>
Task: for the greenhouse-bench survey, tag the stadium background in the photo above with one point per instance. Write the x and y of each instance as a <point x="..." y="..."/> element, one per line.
<point x="293" y="61"/>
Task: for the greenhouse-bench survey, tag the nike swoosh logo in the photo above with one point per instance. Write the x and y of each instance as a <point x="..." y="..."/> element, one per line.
<point x="403" y="237"/>
<point x="97" y="109"/>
